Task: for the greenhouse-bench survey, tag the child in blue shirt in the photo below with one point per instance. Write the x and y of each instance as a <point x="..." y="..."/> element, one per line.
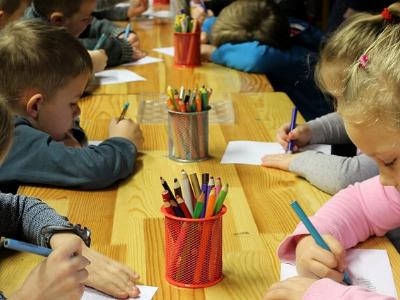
<point x="255" y="36"/>
<point x="43" y="83"/>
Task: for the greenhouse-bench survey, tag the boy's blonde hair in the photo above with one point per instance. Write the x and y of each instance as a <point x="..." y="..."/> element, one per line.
<point x="372" y="92"/>
<point x="351" y="39"/>
<point x="252" y="20"/>
<point x="38" y="56"/>
<point x="67" y="7"/>
<point x="6" y="129"/>
<point x="9" y="6"/>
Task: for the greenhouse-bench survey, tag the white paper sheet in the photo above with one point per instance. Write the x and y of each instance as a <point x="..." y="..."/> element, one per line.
<point x="250" y="153"/>
<point x="117" y="76"/>
<point x="94" y="142"/>
<point x="162" y="14"/>
<point x="144" y="61"/>
<point x="123" y="4"/>
<point x="167" y="50"/>
<point x="146" y="293"/>
<point x="369" y="268"/>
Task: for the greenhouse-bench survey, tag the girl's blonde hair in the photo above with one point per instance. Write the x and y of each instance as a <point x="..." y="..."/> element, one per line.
<point x="372" y="90"/>
<point x="6" y="128"/>
<point x="252" y="20"/>
<point x="352" y="38"/>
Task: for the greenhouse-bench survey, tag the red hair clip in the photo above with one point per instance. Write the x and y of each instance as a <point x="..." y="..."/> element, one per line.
<point x="363" y="61"/>
<point x="386" y="14"/>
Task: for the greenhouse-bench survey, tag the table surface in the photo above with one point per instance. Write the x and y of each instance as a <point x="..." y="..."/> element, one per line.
<point x="125" y="219"/>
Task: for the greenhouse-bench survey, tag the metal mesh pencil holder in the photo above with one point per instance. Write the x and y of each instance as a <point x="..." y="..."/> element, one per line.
<point x="188" y="136"/>
<point x="193" y="250"/>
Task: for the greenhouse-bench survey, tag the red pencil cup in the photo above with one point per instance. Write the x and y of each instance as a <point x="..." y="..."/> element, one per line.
<point x="187" y="49"/>
<point x="193" y="250"/>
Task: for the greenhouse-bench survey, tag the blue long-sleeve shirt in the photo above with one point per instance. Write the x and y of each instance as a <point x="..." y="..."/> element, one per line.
<point x="290" y="71"/>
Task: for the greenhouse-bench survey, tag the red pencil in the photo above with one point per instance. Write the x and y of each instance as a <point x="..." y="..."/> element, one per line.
<point x="183" y="207"/>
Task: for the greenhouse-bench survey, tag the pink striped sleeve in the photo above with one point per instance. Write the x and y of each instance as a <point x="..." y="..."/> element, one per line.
<point x="351" y="216"/>
<point x="319" y="290"/>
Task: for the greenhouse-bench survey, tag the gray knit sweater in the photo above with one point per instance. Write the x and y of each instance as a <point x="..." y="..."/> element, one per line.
<point x="118" y="50"/>
<point x="331" y="173"/>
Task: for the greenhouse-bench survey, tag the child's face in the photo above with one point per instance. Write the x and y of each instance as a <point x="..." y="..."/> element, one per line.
<point x="382" y="145"/>
<point x="56" y="115"/>
<point x="16" y="15"/>
<point x="78" y="22"/>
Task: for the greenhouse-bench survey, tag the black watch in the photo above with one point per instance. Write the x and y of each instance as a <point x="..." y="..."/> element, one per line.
<point x="83" y="232"/>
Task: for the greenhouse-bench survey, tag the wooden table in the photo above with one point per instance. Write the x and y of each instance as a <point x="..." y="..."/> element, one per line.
<point x="159" y="33"/>
<point x="128" y="226"/>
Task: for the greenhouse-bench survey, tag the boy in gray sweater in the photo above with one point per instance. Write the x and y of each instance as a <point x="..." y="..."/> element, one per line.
<point x="72" y="264"/>
<point x="77" y="17"/>
<point x="43" y="83"/>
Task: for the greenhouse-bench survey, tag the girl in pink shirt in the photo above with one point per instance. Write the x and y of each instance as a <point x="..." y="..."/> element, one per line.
<point x="370" y="109"/>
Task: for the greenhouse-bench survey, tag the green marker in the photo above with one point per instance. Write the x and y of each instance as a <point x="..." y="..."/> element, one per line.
<point x="221" y="199"/>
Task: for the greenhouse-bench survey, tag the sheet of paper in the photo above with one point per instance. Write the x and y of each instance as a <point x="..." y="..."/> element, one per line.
<point x="167" y="50"/>
<point x="146" y="293"/>
<point x="250" y="153"/>
<point x="162" y="14"/>
<point x="123" y="4"/>
<point x="94" y="143"/>
<point x="368" y="268"/>
<point x="144" y="61"/>
<point x="117" y="76"/>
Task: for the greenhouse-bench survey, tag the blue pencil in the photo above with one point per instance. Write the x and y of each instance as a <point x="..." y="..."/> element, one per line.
<point x="100" y="42"/>
<point x="123" y="112"/>
<point x="292" y="126"/>
<point x="127" y="31"/>
<point x="26" y="247"/>
<point x="314" y="233"/>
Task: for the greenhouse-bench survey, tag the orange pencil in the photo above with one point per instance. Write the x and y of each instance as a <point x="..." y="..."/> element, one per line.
<point x="210" y="203"/>
<point x="183" y="207"/>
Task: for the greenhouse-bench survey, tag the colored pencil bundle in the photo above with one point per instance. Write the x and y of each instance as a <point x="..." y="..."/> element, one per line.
<point x="186" y="100"/>
<point x="186" y="24"/>
<point x="190" y="200"/>
<point x="194" y="241"/>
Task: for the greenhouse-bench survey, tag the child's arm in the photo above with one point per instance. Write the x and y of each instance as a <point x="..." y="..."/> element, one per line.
<point x="352" y="216"/>
<point x="118" y="50"/>
<point x="311" y="289"/>
<point x="90" y="167"/>
<point x="255" y="60"/>
<point x="332" y="173"/>
<point x="24" y="218"/>
<point x="328" y="129"/>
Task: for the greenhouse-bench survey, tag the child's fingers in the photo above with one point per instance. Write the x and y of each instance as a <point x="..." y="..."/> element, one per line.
<point x="338" y="251"/>
<point x="322" y="271"/>
<point x="324" y="257"/>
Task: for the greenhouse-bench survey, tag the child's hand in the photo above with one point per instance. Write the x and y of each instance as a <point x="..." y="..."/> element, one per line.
<point x="206" y="52"/>
<point x="301" y="135"/>
<point x="137" y="7"/>
<point x="315" y="262"/>
<point x="128" y="129"/>
<point x="70" y="141"/>
<point x="99" y="60"/>
<point x="203" y="37"/>
<point x="278" y="161"/>
<point x="290" y="289"/>
<point x="61" y="276"/>
<point x="109" y="276"/>
<point x="133" y="39"/>
<point x="138" y="54"/>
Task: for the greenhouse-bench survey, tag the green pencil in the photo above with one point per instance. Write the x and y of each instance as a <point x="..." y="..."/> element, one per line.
<point x="221" y="199"/>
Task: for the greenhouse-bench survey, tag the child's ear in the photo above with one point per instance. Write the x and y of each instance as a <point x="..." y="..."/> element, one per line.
<point x="33" y="105"/>
<point x="57" y="18"/>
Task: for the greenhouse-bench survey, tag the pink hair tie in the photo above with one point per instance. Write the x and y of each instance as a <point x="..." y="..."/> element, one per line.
<point x="386" y="14"/>
<point x="363" y="60"/>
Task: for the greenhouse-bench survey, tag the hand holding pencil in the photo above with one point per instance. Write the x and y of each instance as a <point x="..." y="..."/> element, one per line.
<point x="320" y="256"/>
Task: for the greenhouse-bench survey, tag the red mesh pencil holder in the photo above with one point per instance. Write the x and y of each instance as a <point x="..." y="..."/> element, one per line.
<point x="193" y="250"/>
<point x="187" y="49"/>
